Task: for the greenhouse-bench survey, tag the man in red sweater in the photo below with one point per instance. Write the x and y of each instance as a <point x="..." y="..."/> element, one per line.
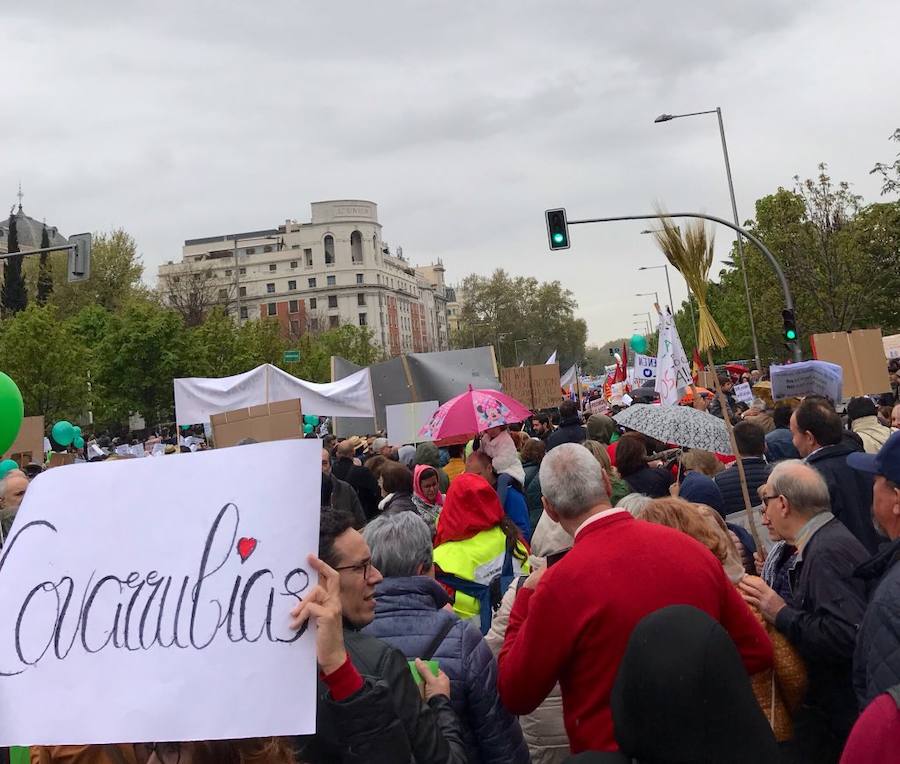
<point x="570" y="624"/>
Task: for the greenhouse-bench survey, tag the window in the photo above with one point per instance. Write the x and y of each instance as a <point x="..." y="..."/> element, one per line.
<point x="333" y="322"/>
<point x="356" y="254"/>
<point x="292" y="284"/>
<point x="362" y="319"/>
<point x="293" y="263"/>
<point x="307" y="257"/>
<point x="270" y="288"/>
<point x="314" y="324"/>
<point x="359" y="278"/>
<point x="227" y="273"/>
<point x="243" y="312"/>
<point x="272" y="308"/>
<point x="329" y="249"/>
<point x="360" y="299"/>
<point x="273" y="267"/>
<point x="331" y="280"/>
<point x="332" y="301"/>
<point x="295" y="246"/>
<point x="268" y="248"/>
<point x="293" y="307"/>
<point x="312" y="303"/>
<point x="243" y="291"/>
<point x="251" y="250"/>
<point x="243" y="272"/>
<point x="295" y="327"/>
<point x="312" y="283"/>
<point x="176" y="279"/>
<point x="223" y="293"/>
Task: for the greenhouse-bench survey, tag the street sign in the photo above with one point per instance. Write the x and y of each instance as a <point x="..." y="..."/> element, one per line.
<point x="80" y="257"/>
<point x="291" y="356"/>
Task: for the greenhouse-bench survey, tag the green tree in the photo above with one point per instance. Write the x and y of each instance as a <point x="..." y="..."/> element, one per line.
<point x="13" y="296"/>
<point x="348" y="341"/>
<point x="48" y="361"/>
<point x="502" y="309"/>
<point x="889" y="172"/>
<point x="45" y="276"/>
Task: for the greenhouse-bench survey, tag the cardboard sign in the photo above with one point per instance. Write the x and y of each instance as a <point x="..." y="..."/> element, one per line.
<point x="860" y="354"/>
<point x="743" y="393"/>
<point x="404" y="420"/>
<point x="29" y="443"/>
<point x="537" y="387"/>
<point x="891" y="346"/>
<point x="598" y="406"/>
<point x="707" y="379"/>
<point x="270" y="421"/>
<point x="132" y="585"/>
<point x="796" y="380"/>
<point x="60" y="459"/>
<point x="644" y="368"/>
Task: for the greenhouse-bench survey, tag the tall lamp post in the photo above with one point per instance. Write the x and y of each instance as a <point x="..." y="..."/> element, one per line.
<point x="477" y="323"/>
<point x="718" y="112"/>
<point x="669" y="287"/>
<point x="516" y="347"/>
<point x="647" y="294"/>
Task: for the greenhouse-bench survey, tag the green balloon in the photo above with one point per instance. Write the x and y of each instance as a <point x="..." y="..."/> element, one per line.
<point x="638" y="343"/>
<point x="11" y="412"/>
<point x="310" y="419"/>
<point x="63" y="432"/>
<point x="77" y="430"/>
<point x="78" y="442"/>
<point x="307" y="429"/>
<point x="7" y="465"/>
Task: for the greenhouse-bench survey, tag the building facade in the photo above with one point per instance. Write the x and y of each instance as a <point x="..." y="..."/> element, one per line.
<point x="334" y="270"/>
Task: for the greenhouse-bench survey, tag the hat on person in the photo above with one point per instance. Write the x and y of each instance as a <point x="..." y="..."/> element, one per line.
<point x="355" y="441"/>
<point x="886" y="462"/>
<point x="857" y="408"/>
<point x="378" y="444"/>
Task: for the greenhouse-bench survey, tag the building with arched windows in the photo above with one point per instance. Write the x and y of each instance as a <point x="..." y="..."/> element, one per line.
<point x="336" y="269"/>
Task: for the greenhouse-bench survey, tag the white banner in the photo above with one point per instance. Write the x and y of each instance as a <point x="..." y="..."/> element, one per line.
<point x="673" y="372"/>
<point x="149" y="599"/>
<point x="794" y="380"/>
<point x="404" y="420"/>
<point x="198" y="398"/>
<point x="743" y="393"/>
<point x="644" y="368"/>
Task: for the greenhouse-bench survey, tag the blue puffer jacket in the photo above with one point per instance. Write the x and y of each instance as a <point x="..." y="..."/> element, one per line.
<point x="408" y="615"/>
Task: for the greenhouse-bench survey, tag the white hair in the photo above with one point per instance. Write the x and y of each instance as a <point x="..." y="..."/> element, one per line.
<point x="634" y="502"/>
<point x="803" y="486"/>
<point x="400" y="544"/>
<point x="572" y="480"/>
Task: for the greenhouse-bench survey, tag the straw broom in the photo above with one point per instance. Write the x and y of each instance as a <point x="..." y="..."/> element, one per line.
<point x="692" y="254"/>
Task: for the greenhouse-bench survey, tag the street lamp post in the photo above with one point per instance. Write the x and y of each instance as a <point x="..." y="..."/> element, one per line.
<point x="671" y="301"/>
<point x="477" y="323"/>
<point x="647" y="294"/>
<point x="718" y="112"/>
<point x="516" y="347"/>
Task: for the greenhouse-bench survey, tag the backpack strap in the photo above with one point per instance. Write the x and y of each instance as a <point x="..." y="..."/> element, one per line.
<point x="439" y="638"/>
<point x="480" y="592"/>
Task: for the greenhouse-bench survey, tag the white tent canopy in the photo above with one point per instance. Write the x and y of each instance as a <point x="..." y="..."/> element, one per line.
<point x="198" y="398"/>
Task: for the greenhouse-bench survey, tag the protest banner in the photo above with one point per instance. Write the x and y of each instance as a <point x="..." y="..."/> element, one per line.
<point x="644" y="368"/>
<point x="743" y="393"/>
<point x="536" y="387"/>
<point x="404" y="420"/>
<point x="891" y="346"/>
<point x="795" y="380"/>
<point x="29" y="443"/>
<point x="271" y="421"/>
<point x="860" y="354"/>
<point x="149" y="599"/>
<point x="673" y="370"/>
<point x="516" y="381"/>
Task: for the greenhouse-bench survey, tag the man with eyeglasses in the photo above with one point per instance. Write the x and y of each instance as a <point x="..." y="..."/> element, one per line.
<point x="826" y="604"/>
<point x="431" y="725"/>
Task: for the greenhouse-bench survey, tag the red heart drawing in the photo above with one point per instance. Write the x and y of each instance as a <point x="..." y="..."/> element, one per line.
<point x="246" y="547"/>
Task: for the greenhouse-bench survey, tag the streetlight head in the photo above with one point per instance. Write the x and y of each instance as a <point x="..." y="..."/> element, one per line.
<point x="664" y="118"/>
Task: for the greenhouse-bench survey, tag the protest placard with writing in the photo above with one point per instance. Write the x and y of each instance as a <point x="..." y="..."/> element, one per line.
<point x="795" y="380"/>
<point x="743" y="393"/>
<point x="644" y="367"/>
<point x="149" y="599"/>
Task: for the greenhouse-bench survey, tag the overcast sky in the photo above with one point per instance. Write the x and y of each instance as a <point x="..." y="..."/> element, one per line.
<point x="462" y="120"/>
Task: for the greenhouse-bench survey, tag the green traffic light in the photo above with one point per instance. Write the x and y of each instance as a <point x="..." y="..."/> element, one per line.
<point x="790" y="334"/>
<point x="558" y="238"/>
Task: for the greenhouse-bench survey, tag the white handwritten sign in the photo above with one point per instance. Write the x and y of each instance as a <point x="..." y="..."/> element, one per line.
<point x="149" y="599"/>
<point x="644" y="367"/>
<point x="743" y="393"/>
<point x="795" y="380"/>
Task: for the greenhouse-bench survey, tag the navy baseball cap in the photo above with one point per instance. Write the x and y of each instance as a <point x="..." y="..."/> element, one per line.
<point x="886" y="462"/>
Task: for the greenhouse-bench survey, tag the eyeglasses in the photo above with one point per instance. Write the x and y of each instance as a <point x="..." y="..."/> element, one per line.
<point x="765" y="502"/>
<point x="363" y="567"/>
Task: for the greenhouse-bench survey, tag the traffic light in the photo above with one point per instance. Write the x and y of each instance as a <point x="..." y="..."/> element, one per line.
<point x="790" y="326"/>
<point x="557" y="229"/>
<point x="80" y="257"/>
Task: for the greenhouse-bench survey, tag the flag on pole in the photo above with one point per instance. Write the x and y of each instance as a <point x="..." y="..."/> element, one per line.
<point x="673" y="372"/>
<point x="551" y="359"/>
<point x="698" y="364"/>
<point x="521" y="364"/>
<point x="568" y="377"/>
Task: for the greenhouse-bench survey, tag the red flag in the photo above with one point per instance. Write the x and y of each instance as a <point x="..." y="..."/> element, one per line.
<point x="698" y="363"/>
<point x="622" y="366"/>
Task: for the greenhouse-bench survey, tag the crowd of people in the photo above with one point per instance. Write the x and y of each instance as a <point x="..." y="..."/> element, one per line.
<point x="564" y="590"/>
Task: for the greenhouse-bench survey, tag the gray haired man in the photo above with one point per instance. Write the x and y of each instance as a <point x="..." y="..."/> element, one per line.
<point x="826" y="605"/>
<point x="12" y="490"/>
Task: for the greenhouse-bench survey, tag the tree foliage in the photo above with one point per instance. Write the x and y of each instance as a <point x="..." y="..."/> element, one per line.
<point x="45" y="275"/>
<point x="13" y="296"/>
<point x="502" y="309"/>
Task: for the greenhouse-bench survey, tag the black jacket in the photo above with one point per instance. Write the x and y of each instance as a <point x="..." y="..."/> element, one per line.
<point x="362" y="481"/>
<point x="652" y="482"/>
<point x="756" y="469"/>
<point x="876" y="664"/>
<point x="850" y="491"/>
<point x="569" y="431"/>
<point x="430" y="731"/>
<point x="343" y="497"/>
<point x="821" y="621"/>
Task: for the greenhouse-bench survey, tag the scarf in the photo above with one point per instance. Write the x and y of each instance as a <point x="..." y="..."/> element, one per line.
<point x="417" y="486"/>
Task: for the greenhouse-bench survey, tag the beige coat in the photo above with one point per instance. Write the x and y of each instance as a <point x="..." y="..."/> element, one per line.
<point x="872" y="432"/>
<point x="543" y="728"/>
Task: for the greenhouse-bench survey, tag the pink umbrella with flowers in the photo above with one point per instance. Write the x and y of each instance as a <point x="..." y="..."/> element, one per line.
<point x="471" y="413"/>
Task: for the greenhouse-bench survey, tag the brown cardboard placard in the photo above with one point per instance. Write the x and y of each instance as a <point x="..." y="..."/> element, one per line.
<point x="891" y="346"/>
<point x="860" y="354"/>
<point x="516" y="382"/>
<point x="28" y="446"/>
<point x="707" y="379"/>
<point x="545" y="389"/>
<point x="282" y="420"/>
<point x="60" y="459"/>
